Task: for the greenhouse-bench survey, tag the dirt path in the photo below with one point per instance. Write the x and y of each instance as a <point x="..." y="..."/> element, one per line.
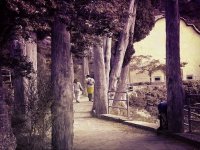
<point x="96" y="134"/>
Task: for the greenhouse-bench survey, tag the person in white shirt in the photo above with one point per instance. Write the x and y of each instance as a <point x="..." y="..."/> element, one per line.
<point x="90" y="87"/>
<point x="77" y="90"/>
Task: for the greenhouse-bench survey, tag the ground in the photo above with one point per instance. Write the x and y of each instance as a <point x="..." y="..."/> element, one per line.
<point x="95" y="134"/>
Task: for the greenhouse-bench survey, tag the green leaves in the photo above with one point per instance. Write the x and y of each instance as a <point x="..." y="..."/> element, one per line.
<point x="144" y="20"/>
<point x="143" y="64"/>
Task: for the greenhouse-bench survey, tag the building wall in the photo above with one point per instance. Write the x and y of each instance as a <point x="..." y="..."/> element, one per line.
<point x="154" y="44"/>
<point x="135" y="78"/>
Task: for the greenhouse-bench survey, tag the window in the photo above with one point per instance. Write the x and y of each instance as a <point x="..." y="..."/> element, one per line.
<point x="157" y="79"/>
<point x="189" y="77"/>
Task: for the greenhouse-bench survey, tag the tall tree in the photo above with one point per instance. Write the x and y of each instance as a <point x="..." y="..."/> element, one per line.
<point x="100" y="96"/>
<point x="175" y="95"/>
<point x="85" y="71"/>
<point x="62" y="80"/>
<point x="107" y="44"/>
<point x="121" y="47"/>
<point x="123" y="81"/>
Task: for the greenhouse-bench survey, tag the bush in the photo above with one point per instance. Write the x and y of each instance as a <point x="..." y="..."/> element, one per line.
<point x="149" y="96"/>
<point x="36" y="122"/>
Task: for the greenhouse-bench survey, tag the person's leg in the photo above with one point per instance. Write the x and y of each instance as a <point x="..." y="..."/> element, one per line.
<point x="90" y="97"/>
<point x="77" y="96"/>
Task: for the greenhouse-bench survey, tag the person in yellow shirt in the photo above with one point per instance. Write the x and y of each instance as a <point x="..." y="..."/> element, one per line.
<point x="90" y="86"/>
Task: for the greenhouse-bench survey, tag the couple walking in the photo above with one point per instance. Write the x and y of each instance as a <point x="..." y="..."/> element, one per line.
<point x="78" y="88"/>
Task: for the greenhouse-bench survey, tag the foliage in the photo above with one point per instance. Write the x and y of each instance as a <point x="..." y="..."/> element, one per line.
<point x="192" y="87"/>
<point x="85" y="19"/>
<point x="32" y="16"/>
<point x="92" y="17"/>
<point x="189" y="10"/>
<point x="38" y="113"/>
<point x="143" y="25"/>
<point x="110" y="21"/>
<point x="147" y="64"/>
<point x="148" y="97"/>
<point x="143" y="64"/>
<point x="21" y="65"/>
<point x="144" y="20"/>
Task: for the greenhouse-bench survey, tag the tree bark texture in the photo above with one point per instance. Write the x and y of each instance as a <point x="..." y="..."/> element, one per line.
<point x="1" y="78"/>
<point x="175" y="95"/>
<point x="30" y="85"/>
<point x="31" y="54"/>
<point x="122" y="86"/>
<point x="85" y="71"/>
<point x="18" y="49"/>
<point x="107" y="44"/>
<point x="25" y="90"/>
<point x="20" y="121"/>
<point x="31" y="51"/>
<point x="100" y="96"/>
<point x="62" y="82"/>
<point x="121" y="48"/>
<point x="43" y="56"/>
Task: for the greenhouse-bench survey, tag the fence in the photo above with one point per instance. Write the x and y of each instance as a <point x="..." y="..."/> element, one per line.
<point x="111" y="98"/>
<point x="6" y="75"/>
<point x="192" y="111"/>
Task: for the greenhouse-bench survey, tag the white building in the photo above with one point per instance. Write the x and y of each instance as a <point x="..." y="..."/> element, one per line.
<point x="154" y="44"/>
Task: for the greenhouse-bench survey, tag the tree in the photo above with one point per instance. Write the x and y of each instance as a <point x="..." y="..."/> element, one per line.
<point x="175" y="95"/>
<point x="98" y="25"/>
<point x="144" y="22"/>
<point x="91" y="17"/>
<point x="123" y="80"/>
<point x="121" y="47"/>
<point x="143" y="64"/>
<point x="100" y="96"/>
<point x="62" y="81"/>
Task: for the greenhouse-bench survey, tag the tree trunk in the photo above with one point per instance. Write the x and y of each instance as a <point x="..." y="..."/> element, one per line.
<point x="18" y="49"/>
<point x="44" y="84"/>
<point x="175" y="95"/>
<point x="85" y="71"/>
<point x="150" y="78"/>
<point x="62" y="82"/>
<point x="1" y="78"/>
<point x="122" y="86"/>
<point x="100" y="96"/>
<point x="20" y="120"/>
<point x="107" y="43"/>
<point x="30" y="85"/>
<point x="121" y="48"/>
<point x="25" y="91"/>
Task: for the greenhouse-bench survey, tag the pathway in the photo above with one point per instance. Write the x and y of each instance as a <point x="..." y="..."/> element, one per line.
<point x="96" y="134"/>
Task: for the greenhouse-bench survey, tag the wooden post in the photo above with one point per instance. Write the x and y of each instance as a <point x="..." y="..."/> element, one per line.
<point x="108" y="102"/>
<point x="189" y="115"/>
<point x="127" y="98"/>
